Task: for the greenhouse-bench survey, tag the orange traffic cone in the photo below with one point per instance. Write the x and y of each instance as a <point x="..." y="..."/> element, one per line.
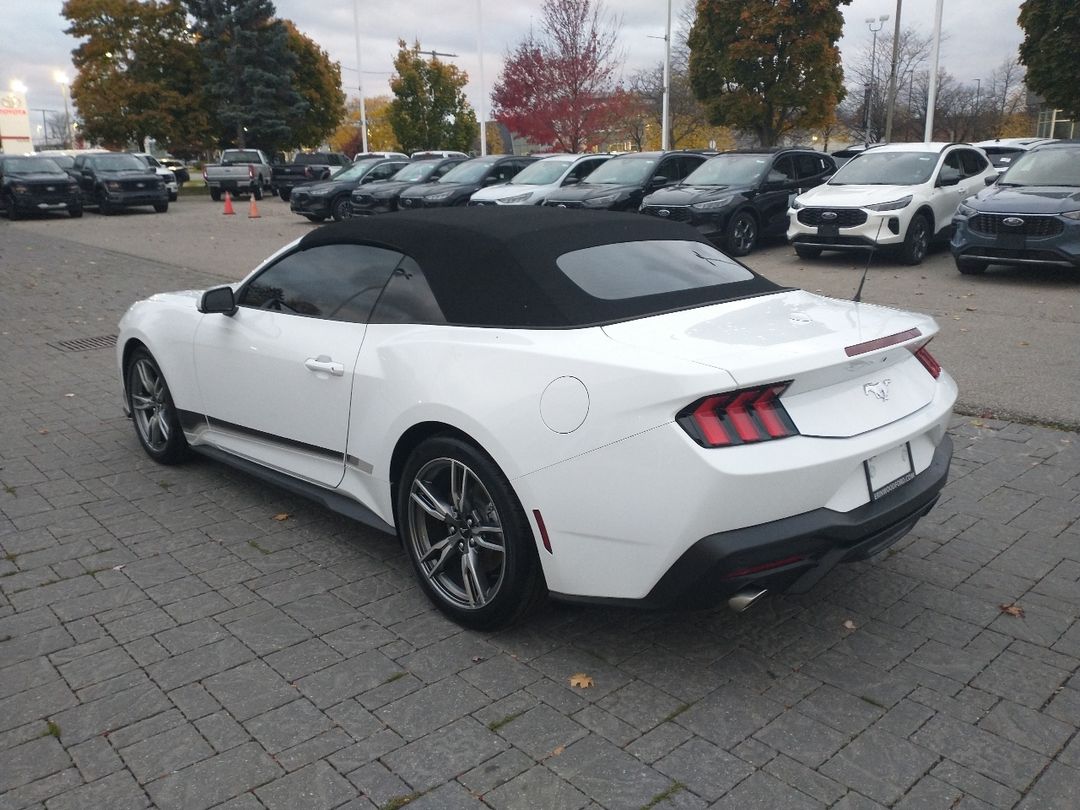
<point x="253" y="209"/>
<point x="228" y="205"/>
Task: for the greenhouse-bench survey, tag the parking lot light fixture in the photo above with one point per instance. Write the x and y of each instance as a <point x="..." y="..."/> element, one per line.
<point x="61" y="78"/>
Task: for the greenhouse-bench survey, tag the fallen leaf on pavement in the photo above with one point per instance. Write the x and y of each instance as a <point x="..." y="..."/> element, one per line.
<point x="282" y="516"/>
<point x="43" y="432"/>
<point x="1012" y="609"/>
<point x="581" y="680"/>
<point x="850" y="625"/>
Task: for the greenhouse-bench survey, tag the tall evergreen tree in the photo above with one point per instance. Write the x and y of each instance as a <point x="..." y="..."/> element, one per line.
<point x="250" y="71"/>
<point x="1049" y="51"/>
<point x="768" y="66"/>
<point x="429" y="110"/>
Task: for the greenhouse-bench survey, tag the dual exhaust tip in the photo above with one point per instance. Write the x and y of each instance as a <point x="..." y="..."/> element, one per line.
<point x="744" y="599"/>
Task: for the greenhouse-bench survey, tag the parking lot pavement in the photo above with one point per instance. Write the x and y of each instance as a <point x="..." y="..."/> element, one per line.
<point x="165" y="641"/>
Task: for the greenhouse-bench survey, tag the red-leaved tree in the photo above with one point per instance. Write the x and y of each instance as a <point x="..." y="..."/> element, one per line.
<point x="558" y="86"/>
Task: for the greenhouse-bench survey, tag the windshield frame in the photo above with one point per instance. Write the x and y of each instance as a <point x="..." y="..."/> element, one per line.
<point x="648" y="165"/>
<point x="547" y="164"/>
<point x="357" y="169"/>
<point x="101" y="163"/>
<point x="426" y="167"/>
<point x="873" y="159"/>
<point x="48" y="163"/>
<point x="716" y="162"/>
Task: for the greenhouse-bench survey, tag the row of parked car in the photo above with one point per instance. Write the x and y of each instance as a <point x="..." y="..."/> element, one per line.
<point x="107" y="181"/>
<point x="900" y="197"/>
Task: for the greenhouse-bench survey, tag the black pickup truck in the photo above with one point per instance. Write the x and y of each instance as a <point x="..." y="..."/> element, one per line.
<point x="114" y="181"/>
<point x="35" y="185"/>
<point x="306" y="167"/>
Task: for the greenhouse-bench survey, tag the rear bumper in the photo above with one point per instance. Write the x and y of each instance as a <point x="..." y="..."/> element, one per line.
<point x="231" y="184"/>
<point x="793" y="553"/>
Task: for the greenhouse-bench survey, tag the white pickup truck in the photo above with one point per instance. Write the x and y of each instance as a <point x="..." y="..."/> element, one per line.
<point x="240" y="171"/>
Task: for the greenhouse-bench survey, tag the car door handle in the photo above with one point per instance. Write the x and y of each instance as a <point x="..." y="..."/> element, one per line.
<point x="325" y="365"/>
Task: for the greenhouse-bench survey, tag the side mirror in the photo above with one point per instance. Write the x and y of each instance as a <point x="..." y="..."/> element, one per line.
<point x="659" y="180"/>
<point x="366" y="179"/>
<point x="571" y="181"/>
<point x="948" y="177"/>
<point x="991" y="179"/>
<point x="490" y="181"/>
<point x="219" y="300"/>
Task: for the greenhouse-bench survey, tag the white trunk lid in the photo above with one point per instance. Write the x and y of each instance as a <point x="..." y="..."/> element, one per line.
<point x="836" y="390"/>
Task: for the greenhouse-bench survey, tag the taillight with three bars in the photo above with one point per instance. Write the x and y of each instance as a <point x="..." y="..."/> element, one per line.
<point x="738" y="417"/>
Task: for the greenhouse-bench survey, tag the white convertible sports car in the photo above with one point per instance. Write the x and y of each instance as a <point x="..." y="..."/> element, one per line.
<point x="597" y="406"/>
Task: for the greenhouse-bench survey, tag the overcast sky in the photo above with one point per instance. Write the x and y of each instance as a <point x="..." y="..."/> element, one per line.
<point x="33" y="45"/>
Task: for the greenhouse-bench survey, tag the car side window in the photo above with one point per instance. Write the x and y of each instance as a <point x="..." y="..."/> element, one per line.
<point x="669" y="168"/>
<point x="687" y="164"/>
<point x="505" y="172"/>
<point x="782" y="171"/>
<point x="972" y="161"/>
<point x="439" y="172"/>
<point x="952" y="160"/>
<point x="334" y="282"/>
<point x="808" y="166"/>
<point x="583" y="169"/>
<point x="382" y="171"/>
<point x="407" y="298"/>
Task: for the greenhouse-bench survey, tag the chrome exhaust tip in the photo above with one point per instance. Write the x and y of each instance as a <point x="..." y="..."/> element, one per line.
<point x="744" y="599"/>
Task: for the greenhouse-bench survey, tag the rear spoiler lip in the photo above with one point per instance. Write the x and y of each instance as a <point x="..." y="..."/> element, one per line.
<point x="882" y="342"/>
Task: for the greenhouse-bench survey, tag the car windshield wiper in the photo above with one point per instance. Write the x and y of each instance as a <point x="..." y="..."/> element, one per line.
<point x="1010" y="185"/>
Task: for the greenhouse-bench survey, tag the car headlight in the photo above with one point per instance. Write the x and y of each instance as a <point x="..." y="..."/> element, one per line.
<point x="796" y="205"/>
<point x="20" y="189"/>
<point x="1072" y="215"/>
<point x="517" y="198"/>
<point x="966" y="210"/>
<point x="440" y="195"/>
<point x="895" y="205"/>
<point x="318" y="192"/>
<point x="600" y="202"/>
<point x="112" y="185"/>
<point x="712" y="205"/>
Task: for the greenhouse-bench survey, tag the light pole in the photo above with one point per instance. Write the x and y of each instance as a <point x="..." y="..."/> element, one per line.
<point x="665" y="113"/>
<point x="480" y="55"/>
<point x="873" y="63"/>
<point x="931" y="91"/>
<point x="978" y="98"/>
<point x="892" y="73"/>
<point x="61" y="78"/>
<point x="360" y="77"/>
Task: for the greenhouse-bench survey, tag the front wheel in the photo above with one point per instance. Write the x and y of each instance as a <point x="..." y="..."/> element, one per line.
<point x="467" y="536"/>
<point x="215" y="194"/>
<point x="161" y="207"/>
<point x="256" y="192"/>
<point x="156" y="422"/>
<point x="741" y="234"/>
<point x="12" y="209"/>
<point x="75" y="211"/>
<point x="807" y="251"/>
<point x="916" y="241"/>
<point x="341" y="209"/>
<point x="284" y="194"/>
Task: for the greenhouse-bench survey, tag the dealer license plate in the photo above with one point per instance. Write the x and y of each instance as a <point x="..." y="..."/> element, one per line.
<point x="888" y="471"/>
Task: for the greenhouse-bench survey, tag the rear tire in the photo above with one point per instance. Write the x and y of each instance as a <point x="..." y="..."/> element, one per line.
<point x="916" y="240"/>
<point x="11" y="208"/>
<point x="971" y="267"/>
<point x="256" y="192"/>
<point x="75" y="211"/>
<point x="807" y="251"/>
<point x="157" y="425"/>
<point x="469" y="540"/>
<point x="315" y="217"/>
<point x="285" y="193"/>
<point x="215" y="194"/>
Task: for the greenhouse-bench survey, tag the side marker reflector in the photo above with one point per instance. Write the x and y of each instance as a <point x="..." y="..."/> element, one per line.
<point x="543" y="530"/>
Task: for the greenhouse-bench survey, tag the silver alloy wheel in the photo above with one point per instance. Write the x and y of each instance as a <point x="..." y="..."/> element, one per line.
<point x="456" y="534"/>
<point x="743" y="234"/>
<point x="149" y="405"/>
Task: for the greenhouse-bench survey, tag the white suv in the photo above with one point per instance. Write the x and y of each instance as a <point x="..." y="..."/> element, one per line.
<point x="900" y="195"/>
<point x="533" y="184"/>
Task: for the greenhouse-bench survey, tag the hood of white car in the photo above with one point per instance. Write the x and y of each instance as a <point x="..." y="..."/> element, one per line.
<point x="853" y="196"/>
<point x="815" y="342"/>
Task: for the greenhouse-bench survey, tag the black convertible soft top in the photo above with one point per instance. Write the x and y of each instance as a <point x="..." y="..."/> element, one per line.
<point x="497" y="266"/>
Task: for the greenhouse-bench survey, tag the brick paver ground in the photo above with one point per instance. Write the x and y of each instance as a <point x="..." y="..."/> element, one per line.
<point x="164" y="642"/>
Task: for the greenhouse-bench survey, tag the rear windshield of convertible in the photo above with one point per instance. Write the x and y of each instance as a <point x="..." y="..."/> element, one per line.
<point x="638" y="269"/>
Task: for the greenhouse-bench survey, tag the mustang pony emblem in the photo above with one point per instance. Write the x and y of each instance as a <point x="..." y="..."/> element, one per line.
<point x="877" y="389"/>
